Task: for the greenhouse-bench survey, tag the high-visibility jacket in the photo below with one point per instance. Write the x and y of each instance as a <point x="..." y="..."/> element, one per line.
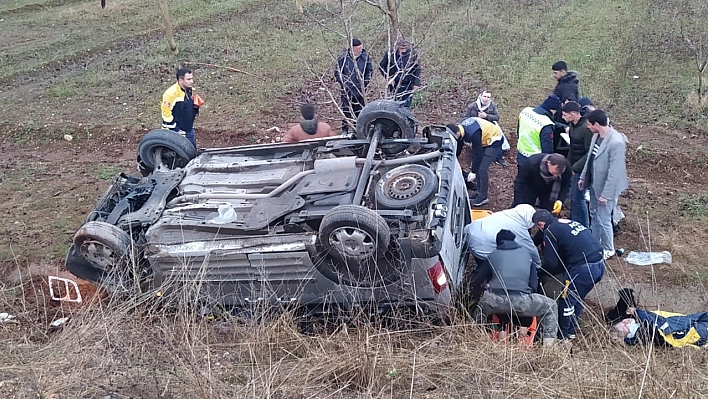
<point x="529" y="128"/>
<point x="178" y="109"/>
<point x="672" y="329"/>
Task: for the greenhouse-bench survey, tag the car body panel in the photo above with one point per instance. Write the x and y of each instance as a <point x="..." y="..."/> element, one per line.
<point x="239" y="226"/>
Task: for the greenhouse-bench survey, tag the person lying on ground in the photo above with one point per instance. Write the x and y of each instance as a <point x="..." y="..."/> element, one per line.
<point x="664" y="328"/>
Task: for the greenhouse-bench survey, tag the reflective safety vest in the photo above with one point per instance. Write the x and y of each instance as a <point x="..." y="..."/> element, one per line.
<point x="491" y="132"/>
<point x="530" y="125"/>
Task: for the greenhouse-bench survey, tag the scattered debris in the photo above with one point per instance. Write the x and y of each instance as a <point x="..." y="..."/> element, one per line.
<point x="648" y="258"/>
<point x="59" y="322"/>
<point x="274" y="129"/>
<point x="6" y="317"/>
<point x="68" y="137"/>
<point x="61" y="289"/>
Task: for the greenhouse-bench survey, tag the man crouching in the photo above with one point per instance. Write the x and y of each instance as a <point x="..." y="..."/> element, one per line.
<point x="512" y="279"/>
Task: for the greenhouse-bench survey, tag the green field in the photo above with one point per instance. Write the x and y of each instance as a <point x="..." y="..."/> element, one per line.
<point x="73" y="68"/>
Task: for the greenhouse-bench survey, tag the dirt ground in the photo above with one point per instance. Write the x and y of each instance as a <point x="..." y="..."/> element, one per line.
<point x="68" y="176"/>
<point x="52" y="183"/>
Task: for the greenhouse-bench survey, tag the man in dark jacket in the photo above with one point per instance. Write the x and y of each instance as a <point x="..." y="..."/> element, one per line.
<point x="569" y="248"/>
<point x="567" y="86"/>
<point x="353" y="73"/>
<point x="511" y="281"/>
<point x="580" y="138"/>
<point x="401" y="70"/>
<point x="535" y="129"/>
<point x="544" y="178"/>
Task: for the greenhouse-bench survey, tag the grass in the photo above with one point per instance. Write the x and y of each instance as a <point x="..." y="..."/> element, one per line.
<point x="73" y="68"/>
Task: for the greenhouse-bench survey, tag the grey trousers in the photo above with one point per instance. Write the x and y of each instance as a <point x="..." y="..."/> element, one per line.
<point x="524" y="305"/>
<point x="601" y="221"/>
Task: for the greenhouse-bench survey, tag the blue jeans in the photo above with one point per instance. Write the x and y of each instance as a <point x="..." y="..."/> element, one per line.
<point x="601" y="221"/>
<point x="578" y="206"/>
<point x="579" y="281"/>
<point x="190" y="136"/>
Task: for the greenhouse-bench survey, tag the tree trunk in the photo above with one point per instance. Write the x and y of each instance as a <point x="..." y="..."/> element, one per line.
<point x="393" y="16"/>
<point x="169" y="31"/>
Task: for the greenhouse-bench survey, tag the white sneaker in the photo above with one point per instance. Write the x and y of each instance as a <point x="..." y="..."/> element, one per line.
<point x="607" y="254"/>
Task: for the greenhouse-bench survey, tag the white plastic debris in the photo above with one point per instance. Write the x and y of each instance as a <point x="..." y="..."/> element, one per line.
<point x="6" y="317"/>
<point x="59" y="322"/>
<point x="648" y="258"/>
<point x="226" y="214"/>
<point x="274" y="129"/>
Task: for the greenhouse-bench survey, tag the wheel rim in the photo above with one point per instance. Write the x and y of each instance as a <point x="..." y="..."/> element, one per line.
<point x="99" y="254"/>
<point x="164" y="158"/>
<point x="404" y="186"/>
<point x="353" y="242"/>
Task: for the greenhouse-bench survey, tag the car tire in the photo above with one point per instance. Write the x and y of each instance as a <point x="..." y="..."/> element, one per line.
<point x="406" y="187"/>
<point x="105" y="246"/>
<point x="396" y="120"/>
<point x="353" y="232"/>
<point x="176" y="151"/>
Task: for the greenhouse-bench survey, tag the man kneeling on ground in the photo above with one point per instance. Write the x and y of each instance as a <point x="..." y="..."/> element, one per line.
<point x="569" y="248"/>
<point x="512" y="279"/>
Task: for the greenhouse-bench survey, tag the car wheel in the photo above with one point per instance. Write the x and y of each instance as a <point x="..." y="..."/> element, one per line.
<point x="396" y="121"/>
<point x="405" y="187"/>
<point x="105" y="246"/>
<point x="165" y="148"/>
<point x="352" y="232"/>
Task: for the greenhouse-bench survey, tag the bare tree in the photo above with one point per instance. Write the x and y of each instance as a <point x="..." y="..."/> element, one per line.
<point x="390" y="9"/>
<point x="169" y="30"/>
<point x="691" y="18"/>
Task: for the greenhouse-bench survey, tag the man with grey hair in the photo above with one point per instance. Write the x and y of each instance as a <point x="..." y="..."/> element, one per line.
<point x="570" y="249"/>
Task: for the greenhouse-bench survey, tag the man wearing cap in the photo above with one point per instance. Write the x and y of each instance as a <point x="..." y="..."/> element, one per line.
<point x="401" y="70"/>
<point x="308" y="128"/>
<point x="353" y="73"/>
<point x="605" y="174"/>
<point x="580" y="139"/>
<point x="567" y="86"/>
<point x="486" y="140"/>
<point x="544" y="178"/>
<point x="535" y="128"/>
<point x="570" y="249"/>
<point x="511" y="284"/>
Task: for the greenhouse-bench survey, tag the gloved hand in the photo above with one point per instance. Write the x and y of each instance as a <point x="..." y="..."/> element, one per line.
<point x="182" y="133"/>
<point x="557" y="207"/>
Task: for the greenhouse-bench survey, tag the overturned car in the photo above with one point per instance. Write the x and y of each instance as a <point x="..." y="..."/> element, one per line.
<point x="374" y="221"/>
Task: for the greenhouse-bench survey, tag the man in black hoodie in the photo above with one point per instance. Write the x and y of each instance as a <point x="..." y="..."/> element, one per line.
<point x="353" y="73"/>
<point x="580" y="138"/>
<point x="567" y="87"/>
<point x="511" y="282"/>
